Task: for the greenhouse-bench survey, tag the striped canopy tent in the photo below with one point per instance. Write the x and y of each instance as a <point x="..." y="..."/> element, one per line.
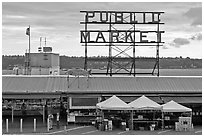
<point x="144" y="103"/>
<point x="113" y="103"/>
<point x="173" y="106"/>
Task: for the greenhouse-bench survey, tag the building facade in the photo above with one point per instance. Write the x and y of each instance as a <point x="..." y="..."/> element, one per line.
<point x="83" y="93"/>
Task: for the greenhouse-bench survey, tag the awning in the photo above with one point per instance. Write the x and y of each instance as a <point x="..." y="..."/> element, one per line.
<point x="183" y="100"/>
<point x="129" y="99"/>
<point x="30" y="96"/>
<point x="113" y="103"/>
<point x="173" y="106"/>
<point x="144" y="103"/>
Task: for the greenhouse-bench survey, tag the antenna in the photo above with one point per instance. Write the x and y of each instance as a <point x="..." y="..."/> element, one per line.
<point x="40" y="48"/>
<point x="45" y="41"/>
<point x="40" y="41"/>
<point x="45" y="55"/>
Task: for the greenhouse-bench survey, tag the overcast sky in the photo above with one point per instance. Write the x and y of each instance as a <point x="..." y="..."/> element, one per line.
<point x="60" y="24"/>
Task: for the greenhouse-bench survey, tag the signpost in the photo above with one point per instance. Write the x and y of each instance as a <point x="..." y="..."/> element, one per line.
<point x="21" y="125"/>
<point x="34" y="125"/>
<point x="6" y="125"/>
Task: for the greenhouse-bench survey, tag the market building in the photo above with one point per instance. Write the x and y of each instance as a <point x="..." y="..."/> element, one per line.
<point x="76" y="97"/>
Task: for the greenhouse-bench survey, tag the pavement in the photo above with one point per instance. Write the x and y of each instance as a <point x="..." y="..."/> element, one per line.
<point x="91" y="130"/>
<point x="74" y="129"/>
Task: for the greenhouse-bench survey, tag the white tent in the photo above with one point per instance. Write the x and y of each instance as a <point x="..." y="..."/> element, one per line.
<point x="172" y="106"/>
<point x="144" y="103"/>
<point x="113" y="103"/>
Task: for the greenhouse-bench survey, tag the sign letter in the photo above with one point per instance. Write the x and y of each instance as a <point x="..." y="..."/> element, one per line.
<point x="100" y="36"/>
<point x="128" y="35"/>
<point x="143" y="36"/>
<point x="116" y="35"/>
<point x="85" y="36"/>
<point x="119" y="17"/>
<point x="89" y="15"/>
<point x="153" y="18"/>
<point x="106" y="16"/>
<point x="133" y="18"/>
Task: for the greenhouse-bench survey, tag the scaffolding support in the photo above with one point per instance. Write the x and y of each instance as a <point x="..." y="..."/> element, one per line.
<point x="85" y="62"/>
<point x="109" y="67"/>
<point x="158" y="39"/>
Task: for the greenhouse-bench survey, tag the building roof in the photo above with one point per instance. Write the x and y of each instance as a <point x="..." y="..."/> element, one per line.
<point x="51" y="84"/>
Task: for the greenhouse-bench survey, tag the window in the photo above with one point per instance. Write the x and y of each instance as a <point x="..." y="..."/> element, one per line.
<point x="83" y="102"/>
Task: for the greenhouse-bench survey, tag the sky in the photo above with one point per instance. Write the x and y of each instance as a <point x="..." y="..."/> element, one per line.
<point x="59" y="22"/>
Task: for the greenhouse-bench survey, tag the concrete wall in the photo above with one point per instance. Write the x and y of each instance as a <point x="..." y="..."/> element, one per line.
<point x="45" y="71"/>
<point x="44" y="60"/>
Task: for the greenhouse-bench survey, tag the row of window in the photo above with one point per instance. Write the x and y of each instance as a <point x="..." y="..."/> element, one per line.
<point x="197" y="113"/>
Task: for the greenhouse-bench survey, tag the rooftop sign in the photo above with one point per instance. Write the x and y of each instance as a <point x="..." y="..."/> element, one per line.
<point x="114" y="17"/>
<point x="122" y="28"/>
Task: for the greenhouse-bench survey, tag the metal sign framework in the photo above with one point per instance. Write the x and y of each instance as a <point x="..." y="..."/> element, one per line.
<point x="116" y="37"/>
